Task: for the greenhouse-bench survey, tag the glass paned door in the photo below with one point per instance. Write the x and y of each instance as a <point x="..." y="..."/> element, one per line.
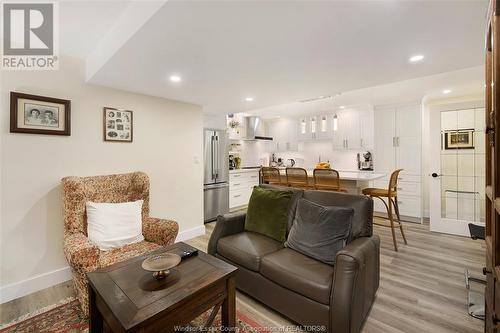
<point x="457" y="170"/>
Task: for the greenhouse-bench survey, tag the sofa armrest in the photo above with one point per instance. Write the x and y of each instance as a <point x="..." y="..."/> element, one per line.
<point x="159" y="231"/>
<point x="81" y="253"/>
<point x="227" y="224"/>
<point x="355" y="282"/>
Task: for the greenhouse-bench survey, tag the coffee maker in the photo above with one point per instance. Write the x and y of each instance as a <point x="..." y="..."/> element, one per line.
<point x="232" y="162"/>
<point x="365" y="161"/>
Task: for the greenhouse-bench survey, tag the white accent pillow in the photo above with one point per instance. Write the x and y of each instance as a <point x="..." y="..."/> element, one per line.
<point x="112" y="225"/>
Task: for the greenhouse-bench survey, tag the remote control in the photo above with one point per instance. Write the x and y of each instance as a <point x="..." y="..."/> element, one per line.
<point x="188" y="253"/>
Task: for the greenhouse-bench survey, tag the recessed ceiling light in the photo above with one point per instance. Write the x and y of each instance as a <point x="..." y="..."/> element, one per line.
<point x="417" y="58"/>
<point x="342" y="107"/>
<point x="249" y="99"/>
<point x="175" y="78"/>
<point x="446" y="91"/>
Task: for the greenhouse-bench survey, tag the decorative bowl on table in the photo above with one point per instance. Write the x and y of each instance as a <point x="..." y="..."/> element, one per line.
<point x="160" y="264"/>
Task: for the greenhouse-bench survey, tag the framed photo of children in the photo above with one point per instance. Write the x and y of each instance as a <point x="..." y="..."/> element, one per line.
<point x="118" y="125"/>
<point x="39" y="114"/>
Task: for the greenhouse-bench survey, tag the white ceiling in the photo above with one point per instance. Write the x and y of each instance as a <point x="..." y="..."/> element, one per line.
<point x="462" y="83"/>
<point x="82" y="24"/>
<point x="279" y="52"/>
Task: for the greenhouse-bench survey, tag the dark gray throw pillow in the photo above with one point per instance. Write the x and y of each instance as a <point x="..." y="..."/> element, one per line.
<point x="320" y="231"/>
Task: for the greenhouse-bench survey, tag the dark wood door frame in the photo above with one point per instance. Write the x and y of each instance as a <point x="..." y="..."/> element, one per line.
<point x="492" y="156"/>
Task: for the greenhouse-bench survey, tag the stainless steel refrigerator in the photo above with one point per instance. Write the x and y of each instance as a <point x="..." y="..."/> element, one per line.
<point x="216" y="175"/>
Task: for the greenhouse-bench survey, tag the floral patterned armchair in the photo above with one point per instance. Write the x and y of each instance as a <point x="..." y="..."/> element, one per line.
<point x="82" y="255"/>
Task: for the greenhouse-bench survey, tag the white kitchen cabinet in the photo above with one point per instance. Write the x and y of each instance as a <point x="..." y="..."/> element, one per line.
<point x="354" y="129"/>
<point x="284" y="134"/>
<point x="325" y="126"/>
<point x="304" y="129"/>
<point x="397" y="142"/>
<point x="235" y="126"/>
<point x="315" y="127"/>
<point x="366" y="130"/>
<point x="342" y="120"/>
<point x="241" y="184"/>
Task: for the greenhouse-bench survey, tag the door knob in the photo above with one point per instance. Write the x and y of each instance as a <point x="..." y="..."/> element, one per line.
<point x="435" y="175"/>
<point x="486" y="271"/>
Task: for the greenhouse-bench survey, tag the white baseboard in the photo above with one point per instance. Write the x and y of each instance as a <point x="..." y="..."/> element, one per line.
<point x="34" y="284"/>
<point x="190" y="233"/>
<point x="49" y="279"/>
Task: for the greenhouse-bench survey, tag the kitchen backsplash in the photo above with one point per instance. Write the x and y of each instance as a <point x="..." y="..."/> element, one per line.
<point x="253" y="153"/>
<point x="310" y="152"/>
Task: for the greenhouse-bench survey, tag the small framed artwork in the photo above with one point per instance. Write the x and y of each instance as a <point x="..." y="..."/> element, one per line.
<point x="460" y="139"/>
<point x="118" y="125"/>
<point x="39" y="114"/>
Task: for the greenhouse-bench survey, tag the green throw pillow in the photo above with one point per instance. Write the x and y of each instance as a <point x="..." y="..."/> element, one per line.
<point x="267" y="212"/>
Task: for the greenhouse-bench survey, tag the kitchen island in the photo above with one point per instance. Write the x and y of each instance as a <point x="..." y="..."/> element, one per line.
<point x="353" y="181"/>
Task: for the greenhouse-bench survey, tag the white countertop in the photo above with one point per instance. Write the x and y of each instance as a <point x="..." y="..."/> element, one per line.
<point x="344" y="175"/>
<point x="244" y="170"/>
<point x="350" y="175"/>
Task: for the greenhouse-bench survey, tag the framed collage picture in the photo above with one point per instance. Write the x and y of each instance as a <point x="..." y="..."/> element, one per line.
<point x="118" y="125"/>
<point x="39" y="114"/>
<point x="461" y="139"/>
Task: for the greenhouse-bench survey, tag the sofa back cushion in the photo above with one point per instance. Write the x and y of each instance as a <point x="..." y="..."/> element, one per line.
<point x="110" y="188"/>
<point x="297" y="194"/>
<point x="362" y="220"/>
<point x="320" y="231"/>
<point x="268" y="211"/>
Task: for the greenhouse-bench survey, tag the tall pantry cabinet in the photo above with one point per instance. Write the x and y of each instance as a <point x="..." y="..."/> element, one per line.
<point x="398" y="146"/>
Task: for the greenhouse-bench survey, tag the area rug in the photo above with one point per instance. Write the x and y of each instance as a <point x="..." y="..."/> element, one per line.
<point x="68" y="318"/>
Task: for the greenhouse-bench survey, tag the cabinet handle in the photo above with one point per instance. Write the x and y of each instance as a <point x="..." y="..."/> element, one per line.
<point x="394" y="141"/>
<point x="399" y="188"/>
<point x="486" y="271"/>
<point x="346" y="143"/>
<point x="236" y="196"/>
<point x="237" y="184"/>
<point x="236" y="176"/>
<point x="397" y="140"/>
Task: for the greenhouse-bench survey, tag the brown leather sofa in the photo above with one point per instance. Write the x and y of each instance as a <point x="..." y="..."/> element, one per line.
<point x="303" y="289"/>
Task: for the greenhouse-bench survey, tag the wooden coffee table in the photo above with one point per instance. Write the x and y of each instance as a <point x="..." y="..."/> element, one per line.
<point x="126" y="298"/>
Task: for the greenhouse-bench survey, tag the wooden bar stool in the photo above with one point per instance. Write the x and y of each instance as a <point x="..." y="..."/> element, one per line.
<point x="297" y="177"/>
<point x="270" y="175"/>
<point x="392" y="197"/>
<point x="327" y="179"/>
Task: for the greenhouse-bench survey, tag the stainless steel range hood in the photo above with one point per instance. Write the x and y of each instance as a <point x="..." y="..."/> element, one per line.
<point x="251" y="127"/>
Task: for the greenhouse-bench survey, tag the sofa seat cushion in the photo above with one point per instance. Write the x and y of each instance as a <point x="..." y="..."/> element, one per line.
<point x="299" y="273"/>
<point x="247" y="248"/>
<point x="111" y="257"/>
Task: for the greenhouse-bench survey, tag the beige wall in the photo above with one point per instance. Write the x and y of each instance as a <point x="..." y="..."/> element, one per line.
<point x="167" y="146"/>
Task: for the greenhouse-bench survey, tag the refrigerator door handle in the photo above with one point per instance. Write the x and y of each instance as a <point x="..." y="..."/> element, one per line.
<point x="212" y="147"/>
<point x="215" y="186"/>
<point x="216" y="156"/>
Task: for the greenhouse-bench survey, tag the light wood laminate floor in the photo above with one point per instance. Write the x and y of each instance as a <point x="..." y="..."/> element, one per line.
<point x="421" y="286"/>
